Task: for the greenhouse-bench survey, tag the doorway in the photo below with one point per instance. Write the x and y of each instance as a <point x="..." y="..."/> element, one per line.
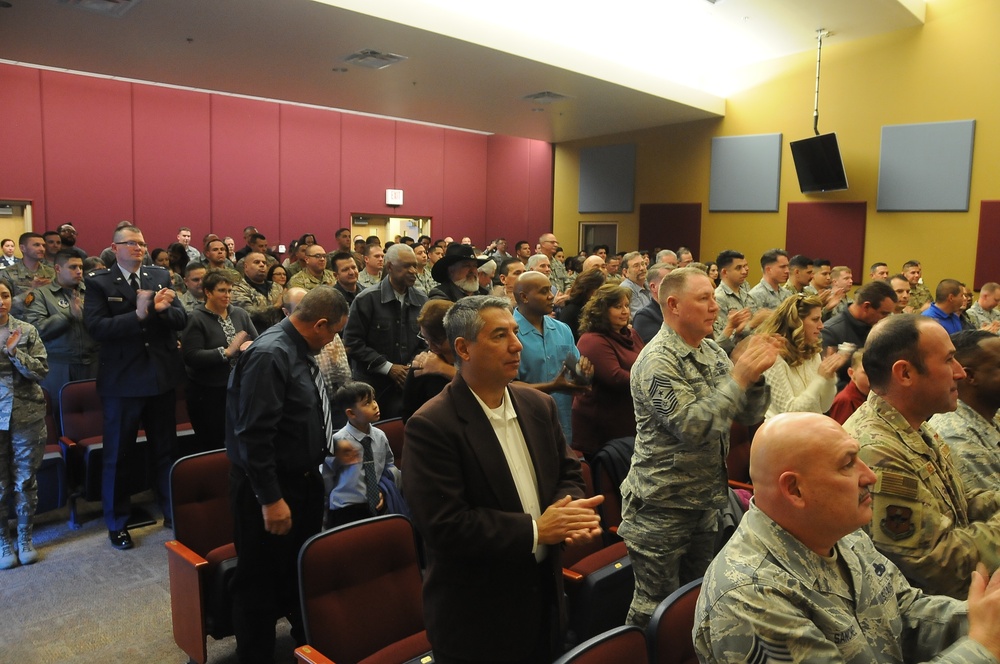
<point x="386" y="228"/>
<point x="600" y="232"/>
<point x="15" y="218"/>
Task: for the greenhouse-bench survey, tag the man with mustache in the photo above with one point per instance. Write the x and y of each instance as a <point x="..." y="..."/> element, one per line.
<point x="799" y="581"/>
<point x="925" y="519"/>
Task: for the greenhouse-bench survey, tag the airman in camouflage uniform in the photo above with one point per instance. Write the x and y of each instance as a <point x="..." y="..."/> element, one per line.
<point x="304" y="279"/>
<point x="986" y="318"/>
<point x="22" y="431"/>
<point x="972" y="431"/>
<point x="767" y="597"/>
<point x="924" y="518"/>
<point x="769" y="297"/>
<point x="800" y="582"/>
<point x="975" y="443"/>
<point x="686" y="398"/>
<point x="23" y="280"/>
<point x="920" y="295"/>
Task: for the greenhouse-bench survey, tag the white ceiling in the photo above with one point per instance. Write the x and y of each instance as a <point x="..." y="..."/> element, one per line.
<point x="650" y="63"/>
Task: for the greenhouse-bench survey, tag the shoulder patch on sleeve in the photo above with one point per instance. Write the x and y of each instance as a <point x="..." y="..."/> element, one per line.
<point x="896" y="484"/>
<point x="28" y="299"/>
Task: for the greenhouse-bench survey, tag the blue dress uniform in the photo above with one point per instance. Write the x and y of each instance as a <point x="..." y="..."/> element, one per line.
<point x="139" y="368"/>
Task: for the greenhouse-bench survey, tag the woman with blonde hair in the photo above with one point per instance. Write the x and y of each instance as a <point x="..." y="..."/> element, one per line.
<point x="801" y="380"/>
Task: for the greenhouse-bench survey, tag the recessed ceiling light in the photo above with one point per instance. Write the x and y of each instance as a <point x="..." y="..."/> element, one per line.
<point x="340" y="70"/>
<point x="544" y="97"/>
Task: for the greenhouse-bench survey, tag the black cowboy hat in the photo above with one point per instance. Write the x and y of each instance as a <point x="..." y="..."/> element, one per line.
<point x="455" y="253"/>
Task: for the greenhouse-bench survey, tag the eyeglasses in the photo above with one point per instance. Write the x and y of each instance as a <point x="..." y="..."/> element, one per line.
<point x="323" y="256"/>
<point x="132" y="244"/>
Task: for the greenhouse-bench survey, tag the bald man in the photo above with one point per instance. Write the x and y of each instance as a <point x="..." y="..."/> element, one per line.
<point x="799" y="581"/>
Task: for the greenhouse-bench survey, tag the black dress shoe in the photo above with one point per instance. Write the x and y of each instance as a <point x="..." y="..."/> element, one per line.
<point x="120" y="539"/>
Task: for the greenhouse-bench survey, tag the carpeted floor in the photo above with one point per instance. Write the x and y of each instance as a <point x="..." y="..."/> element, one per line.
<point x="86" y="602"/>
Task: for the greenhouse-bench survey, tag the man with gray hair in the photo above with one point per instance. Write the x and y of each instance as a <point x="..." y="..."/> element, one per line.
<point x="648" y="320"/>
<point x="492" y="485"/>
<point x="687" y="394"/>
<point x="381" y="333"/>
<point x="667" y="257"/>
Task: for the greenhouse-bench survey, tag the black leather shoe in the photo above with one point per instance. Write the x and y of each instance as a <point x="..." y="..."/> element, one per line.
<point x="120" y="539"/>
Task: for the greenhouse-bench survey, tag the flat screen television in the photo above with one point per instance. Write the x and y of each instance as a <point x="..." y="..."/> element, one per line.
<point x="818" y="164"/>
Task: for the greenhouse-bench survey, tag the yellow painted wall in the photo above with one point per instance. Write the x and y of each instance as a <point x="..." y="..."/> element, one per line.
<point x="949" y="69"/>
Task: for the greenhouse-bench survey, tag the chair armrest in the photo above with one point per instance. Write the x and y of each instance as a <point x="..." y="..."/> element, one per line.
<point x="733" y="484"/>
<point x="571" y="576"/>
<point x="187" y="610"/>
<point x="65" y="444"/>
<point x="309" y="655"/>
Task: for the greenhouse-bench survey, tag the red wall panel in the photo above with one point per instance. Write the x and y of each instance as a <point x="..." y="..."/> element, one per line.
<point x="172" y="164"/>
<point x="87" y="139"/>
<point x="22" y="170"/>
<point x="464" y="204"/>
<point x="540" y="177"/>
<point x="508" y="163"/>
<point x="367" y="164"/>
<point x="987" y="260"/>
<point x="244" y="166"/>
<point x="671" y="225"/>
<point x="310" y="175"/>
<point x="420" y="169"/>
<point x="829" y="230"/>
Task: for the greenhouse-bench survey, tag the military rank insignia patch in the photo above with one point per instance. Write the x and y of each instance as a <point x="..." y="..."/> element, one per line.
<point x="898" y="522"/>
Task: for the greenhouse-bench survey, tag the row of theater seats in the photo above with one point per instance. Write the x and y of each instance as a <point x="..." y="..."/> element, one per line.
<point x="378" y="557"/>
<point x="342" y="569"/>
<point x="71" y="465"/>
<point x="77" y="440"/>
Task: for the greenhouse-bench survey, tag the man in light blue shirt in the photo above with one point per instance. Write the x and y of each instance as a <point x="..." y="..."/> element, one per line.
<point x="547" y="344"/>
<point x="634" y="269"/>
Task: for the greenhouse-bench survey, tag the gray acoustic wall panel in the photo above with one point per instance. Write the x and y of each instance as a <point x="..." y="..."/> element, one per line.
<point x="746" y="171"/>
<point x="926" y="167"/>
<point x="607" y="178"/>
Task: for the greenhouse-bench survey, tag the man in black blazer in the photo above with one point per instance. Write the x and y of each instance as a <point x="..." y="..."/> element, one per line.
<point x="132" y="312"/>
<point x="495" y="492"/>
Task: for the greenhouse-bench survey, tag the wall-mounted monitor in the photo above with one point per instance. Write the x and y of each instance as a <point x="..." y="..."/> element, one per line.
<point x="818" y="164"/>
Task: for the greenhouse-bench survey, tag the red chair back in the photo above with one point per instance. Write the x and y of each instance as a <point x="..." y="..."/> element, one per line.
<point x="199" y="498"/>
<point x="80" y="411"/>
<point x="360" y="588"/>
<point x="393" y="430"/>
<point x="669" y="630"/>
<point x="621" y="645"/>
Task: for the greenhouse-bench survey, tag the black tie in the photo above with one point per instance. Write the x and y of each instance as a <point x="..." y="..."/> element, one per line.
<point x="134" y="282"/>
<point x="371" y="483"/>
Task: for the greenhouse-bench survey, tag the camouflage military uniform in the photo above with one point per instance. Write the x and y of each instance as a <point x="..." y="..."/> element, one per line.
<point x="767" y="297"/>
<point x="919" y="296"/>
<point x="924" y="518"/>
<point x="189" y="301"/>
<point x="728" y="301"/>
<point x="251" y="300"/>
<point x="828" y="313"/>
<point x="767" y="597"/>
<point x="366" y="280"/>
<point x="22" y="420"/>
<point x="685" y="403"/>
<point x="305" y="280"/>
<point x="229" y="271"/>
<point x="981" y="317"/>
<point x="425" y="281"/>
<point x="71" y="351"/>
<point x="975" y="442"/>
<point x="19" y="278"/>
<point x="558" y="277"/>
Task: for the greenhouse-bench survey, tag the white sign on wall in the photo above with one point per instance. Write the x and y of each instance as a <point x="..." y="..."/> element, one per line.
<point x="394" y="197"/>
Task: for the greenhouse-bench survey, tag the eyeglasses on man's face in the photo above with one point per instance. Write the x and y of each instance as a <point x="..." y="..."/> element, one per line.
<point x="132" y="244"/>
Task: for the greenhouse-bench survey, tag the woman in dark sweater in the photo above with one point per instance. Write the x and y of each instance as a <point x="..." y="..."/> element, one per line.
<point x="585" y="285"/>
<point x="611" y="345"/>
<point x="216" y="334"/>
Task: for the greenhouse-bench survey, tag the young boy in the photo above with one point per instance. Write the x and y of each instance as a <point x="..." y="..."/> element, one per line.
<point x="348" y="471"/>
<point x="854" y="393"/>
